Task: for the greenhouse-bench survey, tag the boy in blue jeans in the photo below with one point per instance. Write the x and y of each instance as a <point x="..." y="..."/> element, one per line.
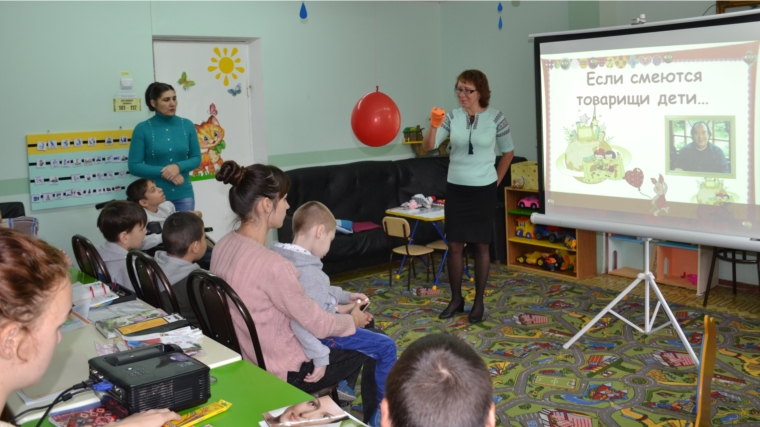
<point x="313" y="230"/>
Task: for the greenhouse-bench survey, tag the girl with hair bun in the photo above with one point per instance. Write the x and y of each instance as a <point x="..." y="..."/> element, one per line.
<point x="35" y="300"/>
<point x="268" y="285"/>
<point x="165" y="148"/>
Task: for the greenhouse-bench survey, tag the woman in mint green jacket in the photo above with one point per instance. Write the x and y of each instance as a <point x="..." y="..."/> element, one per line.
<point x="165" y="148"/>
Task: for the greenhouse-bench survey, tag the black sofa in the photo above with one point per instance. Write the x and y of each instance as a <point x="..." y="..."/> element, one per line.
<point x="362" y="191"/>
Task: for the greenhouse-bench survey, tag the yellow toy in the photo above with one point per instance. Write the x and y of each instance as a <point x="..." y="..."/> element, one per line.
<point x="525" y="228"/>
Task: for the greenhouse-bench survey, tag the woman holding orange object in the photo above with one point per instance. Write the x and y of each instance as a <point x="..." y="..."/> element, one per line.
<point x="476" y="130"/>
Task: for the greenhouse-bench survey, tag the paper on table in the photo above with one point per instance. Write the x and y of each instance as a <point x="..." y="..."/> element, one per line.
<point x="63" y="367"/>
<point x="74" y="321"/>
<point x="98" y="293"/>
<point x="117" y="310"/>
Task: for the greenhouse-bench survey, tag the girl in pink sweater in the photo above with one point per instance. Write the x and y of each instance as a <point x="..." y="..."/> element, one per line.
<point x="268" y="285"/>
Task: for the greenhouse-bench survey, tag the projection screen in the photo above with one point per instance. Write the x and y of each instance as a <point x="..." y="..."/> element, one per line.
<point x="650" y="129"/>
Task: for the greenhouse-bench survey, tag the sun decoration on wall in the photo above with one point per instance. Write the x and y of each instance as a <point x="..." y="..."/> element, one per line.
<point x="226" y="65"/>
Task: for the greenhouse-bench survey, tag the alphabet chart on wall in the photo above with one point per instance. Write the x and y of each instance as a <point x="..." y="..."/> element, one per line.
<point x="78" y="168"/>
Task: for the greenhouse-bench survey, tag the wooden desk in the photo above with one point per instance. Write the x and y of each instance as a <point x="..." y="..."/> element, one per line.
<point x="251" y="390"/>
<point x="69" y="365"/>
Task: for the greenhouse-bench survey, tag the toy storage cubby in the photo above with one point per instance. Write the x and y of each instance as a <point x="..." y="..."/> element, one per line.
<point x="625" y="255"/>
<point x="671" y="262"/>
<point x="585" y="250"/>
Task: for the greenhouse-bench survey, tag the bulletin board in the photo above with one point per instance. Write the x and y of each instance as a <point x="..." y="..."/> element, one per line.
<point x="78" y="168"/>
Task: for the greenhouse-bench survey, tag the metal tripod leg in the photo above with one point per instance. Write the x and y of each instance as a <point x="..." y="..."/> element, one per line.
<point x="648" y="278"/>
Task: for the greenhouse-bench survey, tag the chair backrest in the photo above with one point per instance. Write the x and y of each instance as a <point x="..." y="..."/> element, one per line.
<point x="89" y="259"/>
<point x="396" y="227"/>
<point x="148" y="279"/>
<point x="706" y="369"/>
<point x="214" y="314"/>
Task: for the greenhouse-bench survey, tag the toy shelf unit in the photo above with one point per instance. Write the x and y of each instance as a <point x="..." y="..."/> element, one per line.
<point x="545" y="249"/>
<point x="673" y="263"/>
<point x="625" y="255"/>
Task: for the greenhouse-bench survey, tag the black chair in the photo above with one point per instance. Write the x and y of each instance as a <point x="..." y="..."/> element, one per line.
<point x="12" y="209"/>
<point x="89" y="259"/>
<point x="723" y="254"/>
<point x="216" y="321"/>
<point x="148" y="278"/>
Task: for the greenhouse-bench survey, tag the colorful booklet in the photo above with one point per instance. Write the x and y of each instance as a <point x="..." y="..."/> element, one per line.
<point x="93" y="415"/>
<point x="321" y="411"/>
<point x="108" y="327"/>
<point x="153" y="326"/>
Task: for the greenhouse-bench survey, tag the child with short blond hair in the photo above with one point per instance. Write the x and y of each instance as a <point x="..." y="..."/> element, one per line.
<point x="313" y="230"/>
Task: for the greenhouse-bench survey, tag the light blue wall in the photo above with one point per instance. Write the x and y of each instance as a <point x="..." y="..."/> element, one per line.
<point x="471" y="39"/>
<point x="60" y="73"/>
<point x="613" y="13"/>
<point x="62" y="64"/>
<point x="315" y="71"/>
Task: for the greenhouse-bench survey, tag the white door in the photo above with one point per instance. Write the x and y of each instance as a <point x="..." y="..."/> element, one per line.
<point x="212" y="84"/>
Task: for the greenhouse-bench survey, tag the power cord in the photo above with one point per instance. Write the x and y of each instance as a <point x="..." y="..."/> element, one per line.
<point x="14" y="420"/>
<point x="66" y="395"/>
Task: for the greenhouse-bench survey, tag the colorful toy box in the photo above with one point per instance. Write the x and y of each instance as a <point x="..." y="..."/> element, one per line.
<point x="525" y="175"/>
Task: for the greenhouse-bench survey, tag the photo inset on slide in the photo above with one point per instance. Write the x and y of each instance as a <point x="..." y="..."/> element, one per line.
<point x="702" y="146"/>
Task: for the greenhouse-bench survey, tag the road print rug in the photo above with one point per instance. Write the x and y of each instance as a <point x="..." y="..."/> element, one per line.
<point x="612" y="376"/>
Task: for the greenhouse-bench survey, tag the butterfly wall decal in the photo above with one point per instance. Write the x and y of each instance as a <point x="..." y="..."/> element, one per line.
<point x="212" y="110"/>
<point x="185" y="82"/>
<point x="235" y="91"/>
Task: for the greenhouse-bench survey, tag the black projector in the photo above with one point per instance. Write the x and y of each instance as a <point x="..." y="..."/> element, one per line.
<point x="153" y="377"/>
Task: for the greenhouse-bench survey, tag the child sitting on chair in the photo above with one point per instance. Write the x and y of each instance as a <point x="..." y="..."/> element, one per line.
<point x="313" y="230"/>
<point x="185" y="243"/>
<point x="123" y="225"/>
<point x="145" y="193"/>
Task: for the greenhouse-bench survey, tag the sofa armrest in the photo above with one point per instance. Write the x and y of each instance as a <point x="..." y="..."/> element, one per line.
<point x="285" y="233"/>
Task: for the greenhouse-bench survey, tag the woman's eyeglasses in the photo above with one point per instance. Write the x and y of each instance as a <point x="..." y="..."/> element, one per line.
<point x="459" y="90"/>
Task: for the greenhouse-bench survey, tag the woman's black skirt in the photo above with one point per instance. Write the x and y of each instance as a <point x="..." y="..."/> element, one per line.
<point x="470" y="213"/>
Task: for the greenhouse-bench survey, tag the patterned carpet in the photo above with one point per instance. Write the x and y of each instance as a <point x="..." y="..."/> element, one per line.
<point x="613" y="376"/>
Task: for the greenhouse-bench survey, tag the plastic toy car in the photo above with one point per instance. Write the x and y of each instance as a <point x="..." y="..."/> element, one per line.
<point x="550" y="262"/>
<point x="524" y="227"/>
<point x="528" y="202"/>
<point x="530" y="258"/>
<point x="553" y="233"/>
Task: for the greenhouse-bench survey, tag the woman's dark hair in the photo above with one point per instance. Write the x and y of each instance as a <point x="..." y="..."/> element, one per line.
<point x="30" y="270"/>
<point x="154" y="91"/>
<point x="251" y="184"/>
<point x="480" y="81"/>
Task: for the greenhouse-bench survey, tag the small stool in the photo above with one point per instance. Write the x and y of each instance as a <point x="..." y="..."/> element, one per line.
<point x="723" y="254"/>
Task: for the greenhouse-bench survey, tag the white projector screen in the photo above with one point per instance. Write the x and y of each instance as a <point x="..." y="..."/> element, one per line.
<point x="652" y="127"/>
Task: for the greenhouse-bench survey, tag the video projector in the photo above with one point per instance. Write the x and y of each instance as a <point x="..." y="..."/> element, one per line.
<point x="153" y="377"/>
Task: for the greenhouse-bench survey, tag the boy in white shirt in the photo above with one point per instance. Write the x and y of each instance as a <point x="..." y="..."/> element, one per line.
<point x="145" y="193"/>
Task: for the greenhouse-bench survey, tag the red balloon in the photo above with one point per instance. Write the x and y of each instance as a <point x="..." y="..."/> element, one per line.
<point x="375" y="120"/>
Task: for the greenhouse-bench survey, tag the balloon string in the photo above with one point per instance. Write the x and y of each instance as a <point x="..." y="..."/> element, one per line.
<point x="644" y="194"/>
<point x="374" y="5"/>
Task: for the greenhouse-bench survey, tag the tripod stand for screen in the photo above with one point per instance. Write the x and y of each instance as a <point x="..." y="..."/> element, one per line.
<point x="648" y="278"/>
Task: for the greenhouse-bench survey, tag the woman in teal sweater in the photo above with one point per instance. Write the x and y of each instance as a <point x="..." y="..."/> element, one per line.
<point x="165" y="148"/>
